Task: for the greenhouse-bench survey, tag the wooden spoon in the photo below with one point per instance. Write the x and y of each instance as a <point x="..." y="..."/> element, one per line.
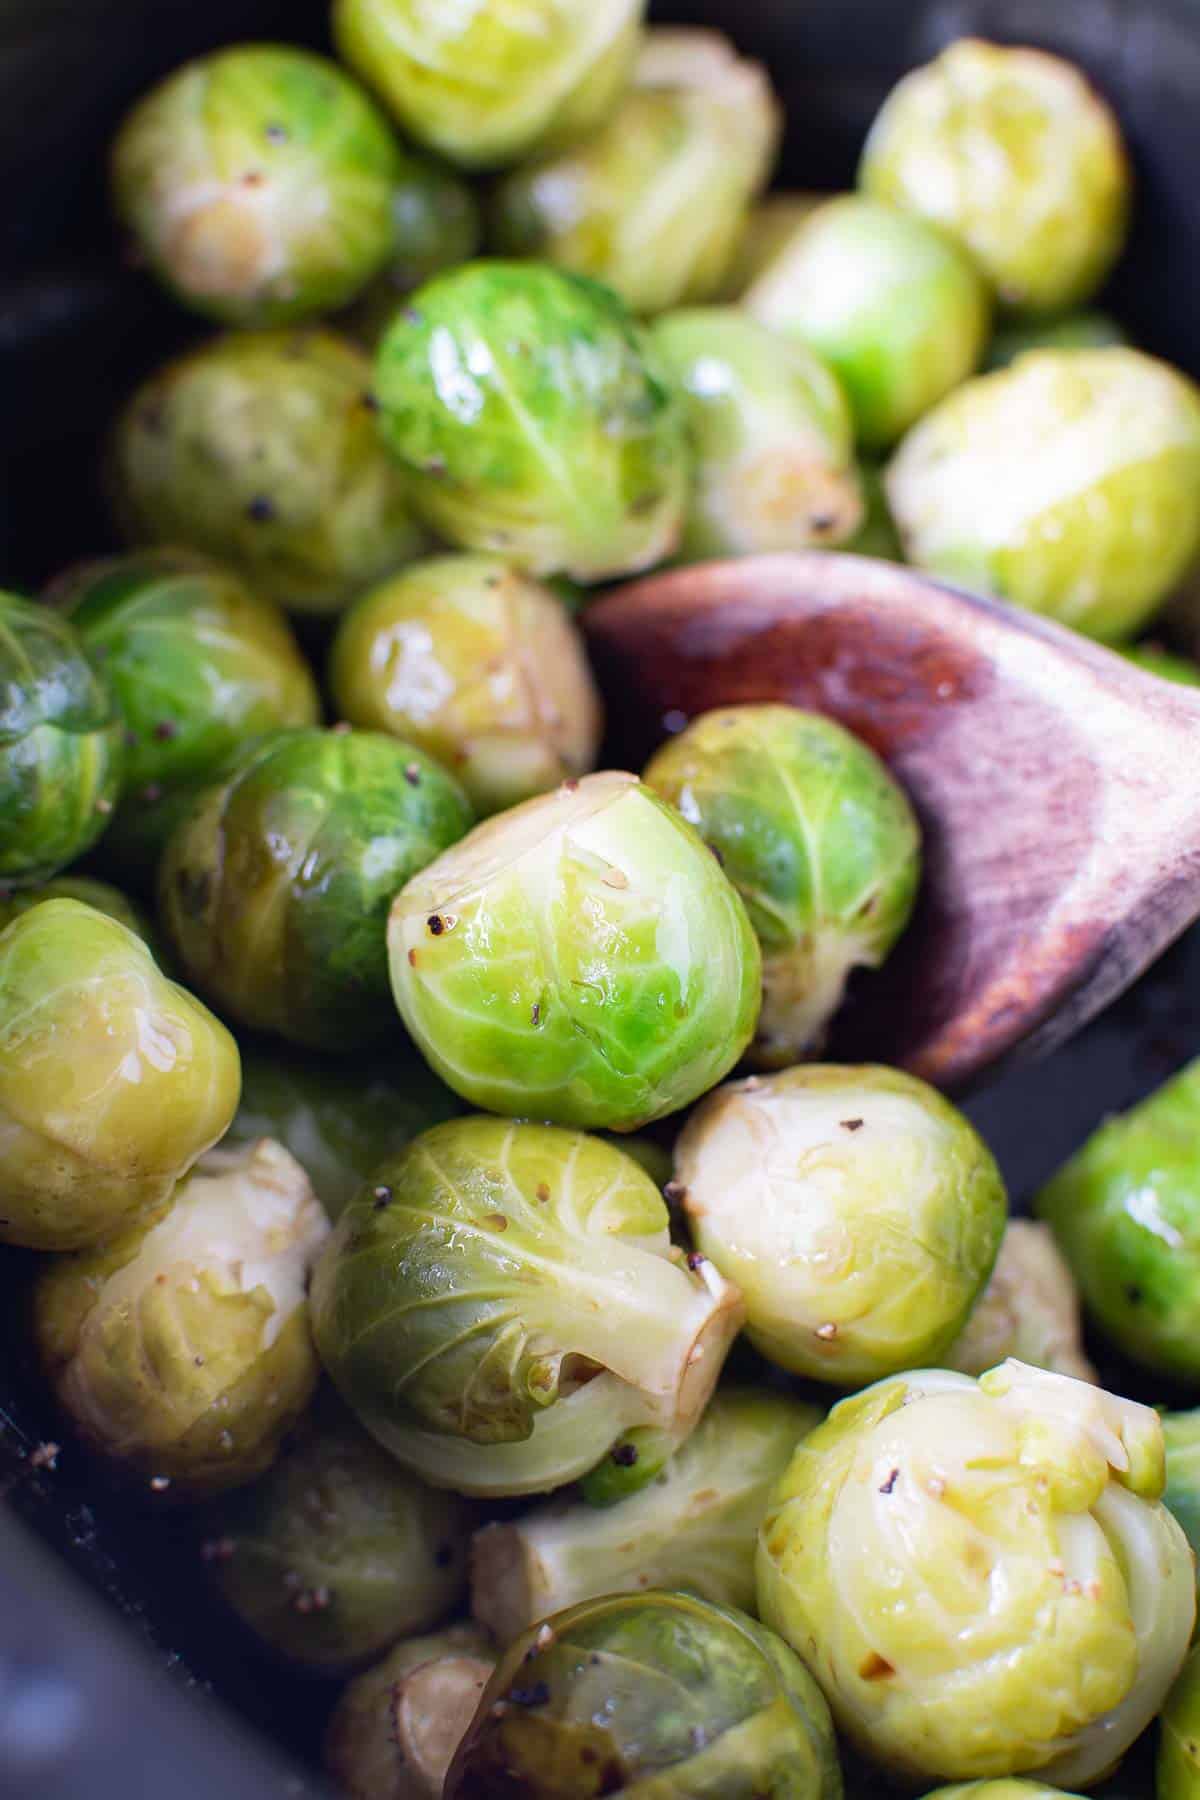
<point x="1058" y="785"/>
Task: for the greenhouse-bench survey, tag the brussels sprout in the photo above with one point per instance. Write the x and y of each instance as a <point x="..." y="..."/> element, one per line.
<point x="1181" y="1433"/>
<point x="534" y="422"/>
<point x="770" y="224"/>
<point x="857" y="1209"/>
<point x="982" y="1575"/>
<point x="180" y="1348"/>
<point x="1126" y="1212"/>
<point x="438" y="226"/>
<point x="1168" y="667"/>
<point x="501" y="1301"/>
<point x="395" y="1728"/>
<point x="820" y="842"/>
<point x="112" y="1079"/>
<point x="771" y="434"/>
<point x="486" y="84"/>
<point x="338" y="1118"/>
<point x="337" y="1551"/>
<point x="694" y="1527"/>
<point x="877" y="535"/>
<point x="894" y="308"/>
<point x="1078" y="331"/>
<point x="257" y="183"/>
<point x="1068" y="484"/>
<point x="581" y="959"/>
<point x="480" y="666"/>
<point x="1029" y="1310"/>
<point x="275" y="886"/>
<point x="1014" y="153"/>
<point x="654" y="1693"/>
<point x="60" y="745"/>
<point x="262" y="448"/>
<point x="654" y="204"/>
<point x="197" y="663"/>
<point x="96" y="894"/>
<point x="1006" y="1787"/>
<point x="1178" y="1770"/>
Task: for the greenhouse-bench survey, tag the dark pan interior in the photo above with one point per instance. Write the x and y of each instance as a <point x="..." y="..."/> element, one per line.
<point x="80" y="1708"/>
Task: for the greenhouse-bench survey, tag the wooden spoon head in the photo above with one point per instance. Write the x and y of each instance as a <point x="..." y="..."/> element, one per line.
<point x="1058" y="786"/>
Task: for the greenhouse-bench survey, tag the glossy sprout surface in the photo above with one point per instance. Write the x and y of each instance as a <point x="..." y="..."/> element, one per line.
<point x="502" y="1301"/>
<point x="582" y="959"/>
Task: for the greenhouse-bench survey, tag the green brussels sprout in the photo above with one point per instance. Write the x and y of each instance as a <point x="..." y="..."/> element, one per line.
<point x="395" y="1729"/>
<point x="1029" y="1310"/>
<point x="819" y="841"/>
<point x="877" y="535"/>
<point x="60" y="745"/>
<point x="275" y="885"/>
<point x="857" y="1209"/>
<point x="981" y="1574"/>
<point x="485" y="84"/>
<point x="1163" y="663"/>
<point x="693" y="1527"/>
<point x="895" y="309"/>
<point x="655" y="1693"/>
<point x="533" y="421"/>
<point x="1181" y="1433"/>
<point x="581" y="958"/>
<point x="1015" y="154"/>
<point x="438" y="225"/>
<point x="113" y="1080"/>
<point x="771" y="436"/>
<point x="770" y="224"/>
<point x="1078" y="331"/>
<point x="96" y="894"/>
<point x="481" y="667"/>
<point x="654" y="203"/>
<point x="1007" y="1787"/>
<point x="1068" y="484"/>
<point x="1126" y="1212"/>
<point x="257" y="183"/>
<point x="262" y="448"/>
<point x="180" y="1348"/>
<point x="338" y="1118"/>
<point x="337" y="1551"/>
<point x="503" y="1300"/>
<point x="197" y="663"/>
<point x="1177" y="1775"/>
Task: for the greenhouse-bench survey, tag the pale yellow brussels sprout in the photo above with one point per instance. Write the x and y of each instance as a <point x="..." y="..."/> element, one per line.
<point x="1006" y="1787"/>
<point x="180" y="1349"/>
<point x="1068" y="484"/>
<point x="337" y="1551"/>
<point x="1029" y="1309"/>
<point x="395" y="1729"/>
<point x="981" y="1574"/>
<point x="478" y="665"/>
<point x="113" y="1080"/>
<point x="655" y="203"/>
<point x="771" y="434"/>
<point x="1177" y="1776"/>
<point x="1014" y="153"/>
<point x="489" y="84"/>
<point x="262" y="448"/>
<point x="257" y="183"/>
<point x="693" y="1526"/>
<point x="859" y="1212"/>
<point x="897" y="310"/>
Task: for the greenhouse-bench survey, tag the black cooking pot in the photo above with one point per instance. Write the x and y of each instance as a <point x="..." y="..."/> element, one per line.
<point x="91" y="1595"/>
